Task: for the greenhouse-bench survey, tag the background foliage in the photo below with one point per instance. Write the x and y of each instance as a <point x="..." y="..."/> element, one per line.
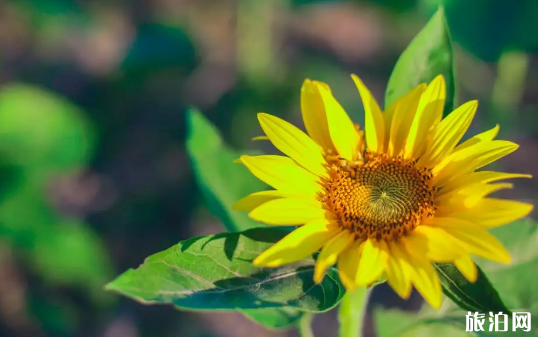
<point x="95" y="159"/>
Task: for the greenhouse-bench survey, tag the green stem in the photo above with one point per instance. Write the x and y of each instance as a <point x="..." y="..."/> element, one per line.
<point x="305" y="325"/>
<point x="352" y="311"/>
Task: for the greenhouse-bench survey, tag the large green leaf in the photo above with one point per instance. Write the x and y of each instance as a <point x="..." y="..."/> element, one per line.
<point x="479" y="296"/>
<point x="428" y="55"/>
<point x="216" y="273"/>
<point x="515" y="283"/>
<point x="222" y="181"/>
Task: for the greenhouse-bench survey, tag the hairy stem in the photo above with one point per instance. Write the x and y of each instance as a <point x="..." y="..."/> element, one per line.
<point x="305" y="325"/>
<point x="351" y="312"/>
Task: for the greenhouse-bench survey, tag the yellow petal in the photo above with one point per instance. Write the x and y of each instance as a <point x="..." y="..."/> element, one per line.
<point x="422" y="275"/>
<point x="472" y="238"/>
<point x="294" y="143"/>
<point x="314" y="115"/>
<point x="492" y="212"/>
<point x="481" y="177"/>
<point x="429" y="114"/>
<point x="256" y="199"/>
<point x="289" y="211"/>
<point x="297" y="245"/>
<point x="430" y="241"/>
<point x="348" y="262"/>
<point x="260" y="138"/>
<point x="427" y="282"/>
<point x="467" y="268"/>
<point x="343" y="133"/>
<point x="483" y="191"/>
<point x="470" y="152"/>
<point x="329" y="253"/>
<point x="470" y="159"/>
<point x="448" y="133"/>
<point x="374" y="127"/>
<point x="372" y="263"/>
<point x="388" y="115"/>
<point x="481" y="137"/>
<point x="399" y="271"/>
<point x="395" y="279"/>
<point x="403" y="118"/>
<point x="283" y="174"/>
<point x="470" y="195"/>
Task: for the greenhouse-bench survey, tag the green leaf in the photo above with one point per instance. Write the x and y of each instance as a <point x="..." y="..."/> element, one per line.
<point x="216" y="273"/>
<point x="222" y="181"/>
<point x="274" y="318"/>
<point x="42" y="131"/>
<point x="479" y="296"/>
<point x="429" y="54"/>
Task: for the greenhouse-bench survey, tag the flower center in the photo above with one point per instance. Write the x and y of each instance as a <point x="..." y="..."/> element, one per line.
<point x="380" y="198"/>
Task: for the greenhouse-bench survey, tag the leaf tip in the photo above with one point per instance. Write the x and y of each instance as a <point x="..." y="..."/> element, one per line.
<point x="110" y="286"/>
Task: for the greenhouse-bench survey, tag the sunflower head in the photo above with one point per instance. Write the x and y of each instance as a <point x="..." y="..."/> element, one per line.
<point x="383" y="198"/>
<point x="389" y="200"/>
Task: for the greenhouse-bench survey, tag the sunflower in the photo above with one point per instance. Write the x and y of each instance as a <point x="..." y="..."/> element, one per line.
<point x="387" y="201"/>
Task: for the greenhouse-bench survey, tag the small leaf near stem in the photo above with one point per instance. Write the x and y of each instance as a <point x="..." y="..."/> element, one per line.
<point x="428" y="55"/>
<point x="478" y="296"/>
<point x="351" y="312"/>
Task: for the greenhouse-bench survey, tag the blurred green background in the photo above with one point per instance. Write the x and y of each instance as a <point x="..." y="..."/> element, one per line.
<point x="94" y="175"/>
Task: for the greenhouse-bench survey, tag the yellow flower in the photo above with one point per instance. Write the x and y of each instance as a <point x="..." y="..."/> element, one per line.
<point x="386" y="201"/>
